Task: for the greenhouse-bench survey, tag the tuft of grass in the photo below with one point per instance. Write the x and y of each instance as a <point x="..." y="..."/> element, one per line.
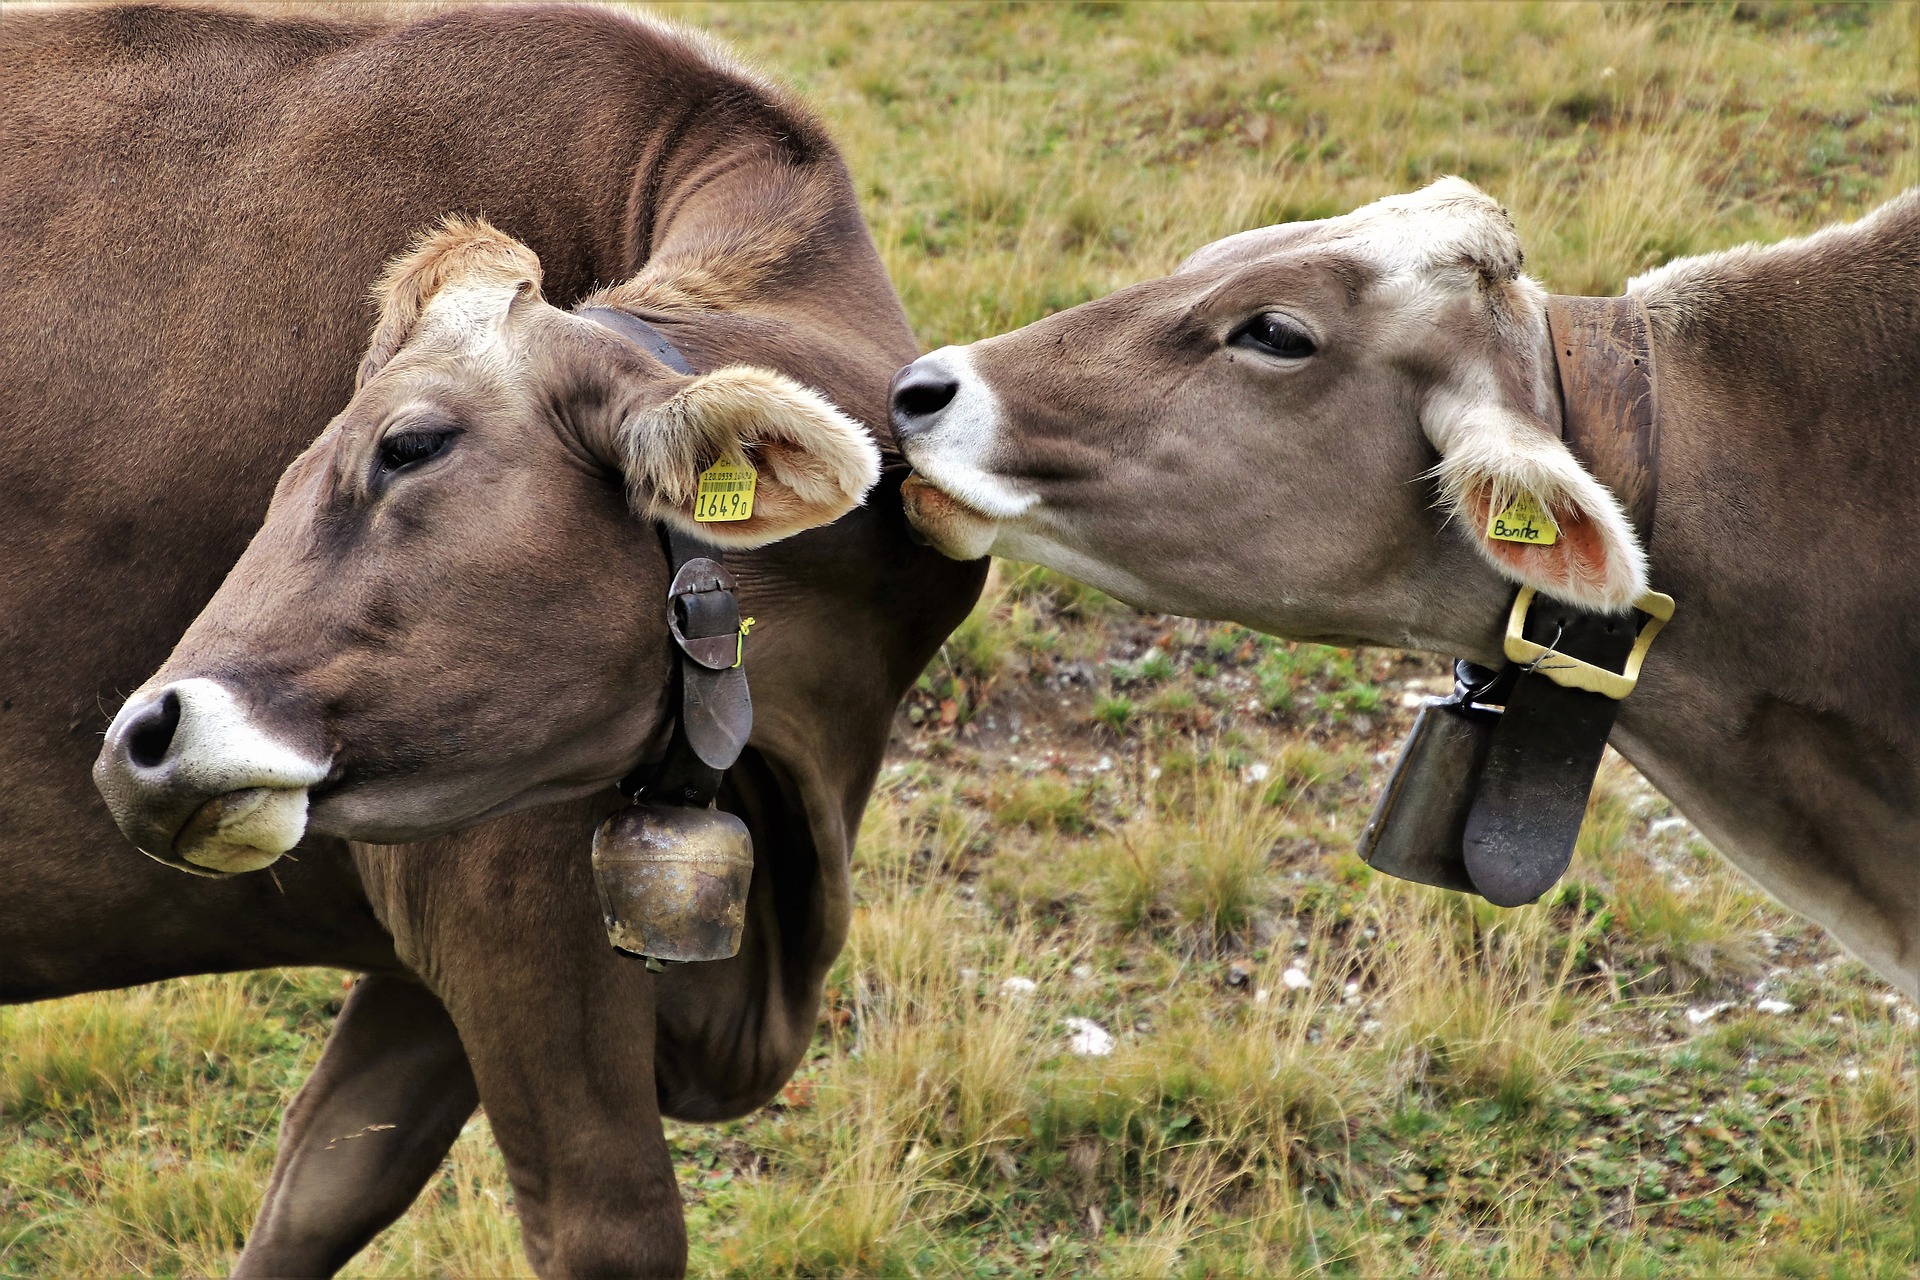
<point x="1225" y="837"/>
<point x="1191" y="858"/>
<point x="1302" y="767"/>
<point x="1061" y="596"/>
<point x="1045" y="804"/>
<point x="1131" y="880"/>
<point x="1684" y="932"/>
<point x="1151" y="667"/>
<point x="1113" y="712"/>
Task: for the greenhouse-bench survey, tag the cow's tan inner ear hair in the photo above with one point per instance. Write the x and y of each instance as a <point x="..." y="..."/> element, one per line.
<point x="1580" y="564"/>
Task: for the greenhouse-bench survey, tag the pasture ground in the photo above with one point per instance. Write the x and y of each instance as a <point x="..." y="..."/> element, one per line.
<point x="1102" y="830"/>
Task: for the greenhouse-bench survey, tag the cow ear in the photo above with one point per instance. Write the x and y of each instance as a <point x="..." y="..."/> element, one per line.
<point x="1532" y="509"/>
<point x="810" y="463"/>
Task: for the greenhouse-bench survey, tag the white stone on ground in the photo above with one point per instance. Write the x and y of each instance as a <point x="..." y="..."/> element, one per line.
<point x="1699" y="1016"/>
<point x="1088" y="1038"/>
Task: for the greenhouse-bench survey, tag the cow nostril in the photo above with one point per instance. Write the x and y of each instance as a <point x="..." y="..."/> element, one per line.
<point x="920" y="394"/>
<point x="923" y="399"/>
<point x="151" y="732"/>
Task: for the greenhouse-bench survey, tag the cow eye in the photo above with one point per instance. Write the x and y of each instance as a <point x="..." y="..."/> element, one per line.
<point x="1276" y="335"/>
<point x="402" y="449"/>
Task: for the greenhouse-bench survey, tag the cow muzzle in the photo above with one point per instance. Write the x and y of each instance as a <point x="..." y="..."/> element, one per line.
<point x="194" y="782"/>
<point x="947" y="422"/>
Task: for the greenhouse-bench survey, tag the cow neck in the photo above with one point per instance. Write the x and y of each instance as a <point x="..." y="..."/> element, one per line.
<point x="1491" y="801"/>
<point x="713" y="709"/>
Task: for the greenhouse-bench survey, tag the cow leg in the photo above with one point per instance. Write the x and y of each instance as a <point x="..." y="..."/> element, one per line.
<point x="564" y="1060"/>
<point x="366" y="1131"/>
<point x="503" y="923"/>
<point x="573" y="1106"/>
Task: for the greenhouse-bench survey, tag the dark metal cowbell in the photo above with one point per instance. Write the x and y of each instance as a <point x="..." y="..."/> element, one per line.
<point x="672" y="871"/>
<point x="1419" y="824"/>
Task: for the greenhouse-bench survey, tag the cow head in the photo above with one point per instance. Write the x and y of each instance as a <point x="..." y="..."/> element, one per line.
<point x="1281" y="433"/>
<point x="455" y="606"/>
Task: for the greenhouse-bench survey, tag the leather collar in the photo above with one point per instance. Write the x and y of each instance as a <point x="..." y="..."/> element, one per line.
<point x="1610" y="397"/>
<point x="640" y="333"/>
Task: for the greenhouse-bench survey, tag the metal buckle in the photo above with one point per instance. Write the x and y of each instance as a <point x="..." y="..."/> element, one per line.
<point x="703" y="577"/>
<point x="1571" y="673"/>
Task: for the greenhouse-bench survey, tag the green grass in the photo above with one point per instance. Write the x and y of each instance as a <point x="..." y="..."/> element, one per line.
<point x="1314" y="1070"/>
<point x="1019" y="158"/>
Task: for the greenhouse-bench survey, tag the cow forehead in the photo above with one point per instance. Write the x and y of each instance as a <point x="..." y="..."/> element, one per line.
<point x="1443" y="226"/>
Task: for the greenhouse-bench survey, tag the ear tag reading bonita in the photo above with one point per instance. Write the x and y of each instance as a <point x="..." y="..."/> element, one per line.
<point x="725" y="493"/>
<point x="1524" y="520"/>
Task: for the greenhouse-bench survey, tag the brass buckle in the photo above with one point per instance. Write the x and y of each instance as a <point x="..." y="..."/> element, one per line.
<point x="1569" y="672"/>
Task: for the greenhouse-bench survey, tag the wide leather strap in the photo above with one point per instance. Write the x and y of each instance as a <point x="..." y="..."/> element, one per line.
<point x="640" y="334"/>
<point x="715" y="709"/>
<point x="1547" y="746"/>
<point x="1610" y="398"/>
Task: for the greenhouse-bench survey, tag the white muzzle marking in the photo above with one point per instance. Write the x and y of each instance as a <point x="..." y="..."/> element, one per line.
<point x="257" y="785"/>
<point x="952" y="452"/>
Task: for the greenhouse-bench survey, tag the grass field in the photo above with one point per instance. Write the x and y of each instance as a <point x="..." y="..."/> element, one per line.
<point x="1119" y="998"/>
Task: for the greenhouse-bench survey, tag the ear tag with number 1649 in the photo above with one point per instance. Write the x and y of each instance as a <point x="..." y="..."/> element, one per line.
<point x="725" y="493"/>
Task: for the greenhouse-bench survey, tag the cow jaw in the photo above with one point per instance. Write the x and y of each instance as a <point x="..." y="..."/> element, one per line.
<point x="243" y="830"/>
<point x="954" y="529"/>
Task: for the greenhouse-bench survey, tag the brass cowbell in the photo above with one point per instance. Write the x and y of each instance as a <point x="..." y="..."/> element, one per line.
<point x="673" y="881"/>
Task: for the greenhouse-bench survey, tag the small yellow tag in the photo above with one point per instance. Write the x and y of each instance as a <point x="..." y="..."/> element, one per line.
<point x="725" y="493"/>
<point x="1524" y="521"/>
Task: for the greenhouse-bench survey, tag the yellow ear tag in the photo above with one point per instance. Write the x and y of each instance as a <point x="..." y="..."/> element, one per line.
<point x="725" y="493"/>
<point x="1524" y="521"/>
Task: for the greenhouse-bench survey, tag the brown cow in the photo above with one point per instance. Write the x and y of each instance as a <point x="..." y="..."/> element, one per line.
<point x="1302" y="430"/>
<point x="192" y="206"/>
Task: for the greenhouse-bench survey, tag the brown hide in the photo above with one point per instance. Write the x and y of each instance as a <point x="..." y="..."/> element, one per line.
<point x="192" y="207"/>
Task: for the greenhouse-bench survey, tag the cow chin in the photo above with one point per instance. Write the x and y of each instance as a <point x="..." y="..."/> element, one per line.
<point x="242" y="830"/>
<point x="956" y="530"/>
